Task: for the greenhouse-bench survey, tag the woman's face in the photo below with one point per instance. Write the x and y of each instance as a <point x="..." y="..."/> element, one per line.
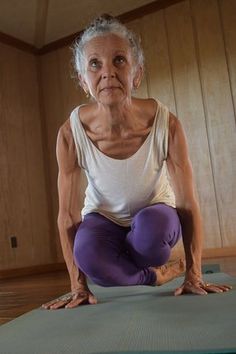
<point x="110" y="72"/>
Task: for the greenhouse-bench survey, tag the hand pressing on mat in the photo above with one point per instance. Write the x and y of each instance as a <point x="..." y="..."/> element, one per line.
<point x="199" y="287"/>
<point x="71" y="300"/>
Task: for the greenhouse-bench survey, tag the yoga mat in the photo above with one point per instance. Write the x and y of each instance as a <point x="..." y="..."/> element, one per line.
<point x="210" y="268"/>
<point x="134" y="319"/>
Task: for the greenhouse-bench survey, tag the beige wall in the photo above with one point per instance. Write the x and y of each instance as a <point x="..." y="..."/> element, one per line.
<point x="23" y="201"/>
<point x="190" y="56"/>
<point x="190" y="51"/>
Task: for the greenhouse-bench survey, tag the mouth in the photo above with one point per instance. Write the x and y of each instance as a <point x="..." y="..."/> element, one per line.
<point x="110" y="88"/>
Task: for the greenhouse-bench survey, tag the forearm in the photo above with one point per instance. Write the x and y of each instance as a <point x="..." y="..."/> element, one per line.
<point x="67" y="230"/>
<point x="192" y="233"/>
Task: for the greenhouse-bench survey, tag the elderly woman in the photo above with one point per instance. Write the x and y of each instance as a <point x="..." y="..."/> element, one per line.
<point x="140" y="197"/>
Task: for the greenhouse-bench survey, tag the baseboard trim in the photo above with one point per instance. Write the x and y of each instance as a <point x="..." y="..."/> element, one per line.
<point x="219" y="252"/>
<point x="47" y="268"/>
<point x="209" y="253"/>
<point x="33" y="270"/>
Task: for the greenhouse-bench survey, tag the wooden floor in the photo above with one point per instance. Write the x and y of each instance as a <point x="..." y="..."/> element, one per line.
<point x="20" y="295"/>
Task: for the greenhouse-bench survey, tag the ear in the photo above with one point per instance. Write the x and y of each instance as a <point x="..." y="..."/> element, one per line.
<point x="83" y="83"/>
<point x="138" y="77"/>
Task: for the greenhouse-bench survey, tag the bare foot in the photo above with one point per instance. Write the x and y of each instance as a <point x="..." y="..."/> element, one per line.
<point x="169" y="271"/>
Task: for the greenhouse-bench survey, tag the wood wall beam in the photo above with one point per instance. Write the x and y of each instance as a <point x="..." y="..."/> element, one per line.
<point x="17" y="43"/>
<point x="146" y="10"/>
<point x="126" y="17"/>
<point x="41" y="23"/>
<point x="63" y="42"/>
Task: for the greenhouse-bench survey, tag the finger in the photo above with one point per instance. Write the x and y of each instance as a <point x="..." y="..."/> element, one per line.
<point x="211" y="288"/>
<point x="198" y="291"/>
<point x="226" y="287"/>
<point x="77" y="302"/>
<point x="179" y="291"/>
<point x="46" y="306"/>
<point x="65" y="299"/>
<point x="59" y="304"/>
<point x="49" y="304"/>
<point x="92" y="300"/>
<point x="190" y="289"/>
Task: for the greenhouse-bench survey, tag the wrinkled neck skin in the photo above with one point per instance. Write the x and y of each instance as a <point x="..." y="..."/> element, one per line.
<point x="117" y="117"/>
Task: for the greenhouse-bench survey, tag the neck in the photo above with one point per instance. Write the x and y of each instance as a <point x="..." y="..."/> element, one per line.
<point x="115" y="116"/>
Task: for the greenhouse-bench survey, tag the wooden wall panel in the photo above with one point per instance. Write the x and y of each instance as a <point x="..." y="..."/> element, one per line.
<point x="228" y="18"/>
<point x="23" y="199"/>
<point x="53" y="108"/>
<point x="142" y="91"/>
<point x="18" y="213"/>
<point x="73" y="96"/>
<point x="190" y="111"/>
<point x="6" y="254"/>
<point x="39" y="221"/>
<point x="60" y="97"/>
<point x="219" y="112"/>
<point x="157" y="61"/>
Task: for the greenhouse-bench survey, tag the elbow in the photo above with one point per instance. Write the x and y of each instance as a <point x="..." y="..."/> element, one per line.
<point x="187" y="206"/>
<point x="189" y="213"/>
<point x="64" y="221"/>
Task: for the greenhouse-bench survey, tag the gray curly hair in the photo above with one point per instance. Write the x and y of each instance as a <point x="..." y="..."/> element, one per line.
<point x="103" y="25"/>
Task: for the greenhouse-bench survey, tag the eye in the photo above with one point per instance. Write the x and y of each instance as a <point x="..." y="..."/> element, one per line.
<point x="94" y="63"/>
<point x="119" y="60"/>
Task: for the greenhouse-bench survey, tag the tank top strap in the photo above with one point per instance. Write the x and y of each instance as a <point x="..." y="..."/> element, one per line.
<point x="78" y="135"/>
<point x="162" y="131"/>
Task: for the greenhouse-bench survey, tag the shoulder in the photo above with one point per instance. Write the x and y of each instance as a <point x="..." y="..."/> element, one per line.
<point x="87" y="113"/>
<point x="176" y="130"/>
<point x="65" y="130"/>
<point x="65" y="133"/>
<point x="146" y="109"/>
<point x="65" y="147"/>
<point x="147" y="105"/>
<point x="177" y="141"/>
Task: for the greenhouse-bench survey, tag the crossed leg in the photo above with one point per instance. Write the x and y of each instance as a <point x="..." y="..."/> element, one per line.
<point x="112" y="255"/>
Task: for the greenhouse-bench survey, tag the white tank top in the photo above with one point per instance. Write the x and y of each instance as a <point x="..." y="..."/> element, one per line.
<point x="118" y="189"/>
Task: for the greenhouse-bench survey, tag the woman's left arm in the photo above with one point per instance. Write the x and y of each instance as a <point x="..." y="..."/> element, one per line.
<point x="181" y="174"/>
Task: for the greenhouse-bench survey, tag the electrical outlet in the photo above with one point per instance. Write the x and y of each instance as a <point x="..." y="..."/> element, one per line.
<point x="13" y="242"/>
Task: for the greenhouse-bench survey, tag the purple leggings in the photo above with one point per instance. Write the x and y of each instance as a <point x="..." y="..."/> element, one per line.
<point x="113" y="255"/>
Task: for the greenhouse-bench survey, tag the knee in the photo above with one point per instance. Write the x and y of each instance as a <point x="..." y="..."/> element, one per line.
<point x="85" y="254"/>
<point x="158" y="216"/>
<point x="94" y="263"/>
<point x="154" y="228"/>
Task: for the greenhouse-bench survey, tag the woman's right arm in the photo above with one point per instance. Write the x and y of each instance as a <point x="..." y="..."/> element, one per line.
<point x="69" y="218"/>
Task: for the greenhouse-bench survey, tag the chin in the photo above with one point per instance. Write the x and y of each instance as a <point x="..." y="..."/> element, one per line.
<point x="112" y="99"/>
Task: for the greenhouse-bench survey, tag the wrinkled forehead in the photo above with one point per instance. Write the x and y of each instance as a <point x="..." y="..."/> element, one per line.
<point x="107" y="44"/>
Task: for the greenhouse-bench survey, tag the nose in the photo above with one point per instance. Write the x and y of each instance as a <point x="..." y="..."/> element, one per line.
<point x="108" y="75"/>
<point x="108" y="71"/>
